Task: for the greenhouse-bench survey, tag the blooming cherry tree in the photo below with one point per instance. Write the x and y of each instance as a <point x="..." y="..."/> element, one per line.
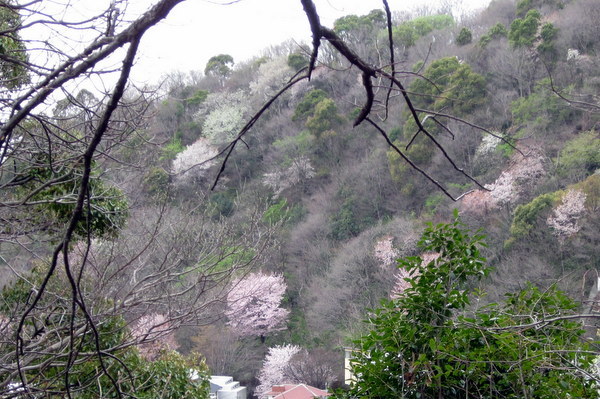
<point x="271" y="77"/>
<point x="385" y="252"/>
<point x="194" y="160"/>
<point x="224" y="116"/>
<point x="299" y="171"/>
<point x="273" y="371"/>
<point x="507" y="188"/>
<point x="564" y="219"/>
<point x="254" y="305"/>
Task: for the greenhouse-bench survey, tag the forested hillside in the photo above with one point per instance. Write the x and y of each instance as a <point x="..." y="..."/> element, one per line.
<point x="275" y="248"/>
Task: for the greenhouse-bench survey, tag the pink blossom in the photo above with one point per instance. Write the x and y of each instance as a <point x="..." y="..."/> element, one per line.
<point x="253" y="305"/>
<point x="401" y="276"/>
<point x="273" y="371"/>
<point x="385" y="252"/>
<point x="564" y="219"/>
<point x="509" y="186"/>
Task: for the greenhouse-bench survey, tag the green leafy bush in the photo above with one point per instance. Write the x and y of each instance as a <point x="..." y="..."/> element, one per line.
<point x="307" y="106"/>
<point x="464" y="37"/>
<point x="581" y="154"/>
<point x="523" y="30"/>
<point x="169" y="152"/>
<point x="526" y="215"/>
<point x="542" y="111"/>
<point x="429" y="342"/>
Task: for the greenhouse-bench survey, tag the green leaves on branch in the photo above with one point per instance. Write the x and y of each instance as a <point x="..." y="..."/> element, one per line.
<point x="430" y="343"/>
<point x="407" y="33"/>
<point x="523" y="31"/>
<point x="13" y="71"/>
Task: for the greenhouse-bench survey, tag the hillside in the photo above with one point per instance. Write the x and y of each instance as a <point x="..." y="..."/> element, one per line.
<point x="313" y="207"/>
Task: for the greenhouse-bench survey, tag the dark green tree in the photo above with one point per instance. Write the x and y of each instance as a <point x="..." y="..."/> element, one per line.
<point x="219" y="66"/>
<point x="464" y="37"/>
<point x="523" y="31"/>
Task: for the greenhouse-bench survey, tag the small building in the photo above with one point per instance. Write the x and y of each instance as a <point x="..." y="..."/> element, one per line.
<point x="348" y="375"/>
<point x="224" y="387"/>
<point x="295" y="391"/>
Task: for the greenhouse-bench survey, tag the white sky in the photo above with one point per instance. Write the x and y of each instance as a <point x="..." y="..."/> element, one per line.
<point x="198" y="29"/>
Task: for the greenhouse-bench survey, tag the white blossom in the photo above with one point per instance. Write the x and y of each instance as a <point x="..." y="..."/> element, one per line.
<point x="224" y="116"/>
<point x="564" y="219"/>
<point x="274" y="366"/>
<point x="385" y="252"/>
<point x="194" y="160"/>
<point x="280" y="180"/>
<point x="253" y="305"/>
<point x="271" y="77"/>
<point x="488" y="144"/>
<point x="573" y="54"/>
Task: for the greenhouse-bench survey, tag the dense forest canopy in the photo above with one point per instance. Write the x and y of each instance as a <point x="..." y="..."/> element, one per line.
<point x="245" y="218"/>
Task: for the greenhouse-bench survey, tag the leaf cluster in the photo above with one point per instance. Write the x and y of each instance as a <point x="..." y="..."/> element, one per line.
<point x="428" y="343"/>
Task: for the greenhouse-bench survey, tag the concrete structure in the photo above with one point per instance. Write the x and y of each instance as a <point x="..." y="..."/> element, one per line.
<point x="224" y="387"/>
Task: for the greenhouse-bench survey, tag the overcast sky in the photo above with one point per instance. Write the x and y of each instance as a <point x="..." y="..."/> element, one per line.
<point x="198" y="29"/>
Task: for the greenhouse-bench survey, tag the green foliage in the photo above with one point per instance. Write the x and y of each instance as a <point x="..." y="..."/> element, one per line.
<point x="464" y="37"/>
<point x="496" y="32"/>
<point x="345" y="223"/>
<point x="427" y="344"/>
<point x="198" y="98"/>
<point x="105" y="208"/>
<point x="547" y="47"/>
<point x="407" y="33"/>
<point x="581" y="154"/>
<point x="449" y="83"/>
<point x="523" y="30"/>
<point x="524" y="6"/>
<point x="169" y="152"/>
<point x="548" y="32"/>
<point x="542" y="110"/>
<point x="222" y="203"/>
<point x="591" y="189"/>
<point x="297" y="61"/>
<point x="307" y="106"/>
<point x="13" y="72"/>
<point x="526" y="215"/>
<point x="325" y="117"/>
<point x="168" y="376"/>
<point x="282" y="212"/>
<point x="350" y="23"/>
<point x="433" y="202"/>
<point x="219" y="65"/>
<point x="156" y="182"/>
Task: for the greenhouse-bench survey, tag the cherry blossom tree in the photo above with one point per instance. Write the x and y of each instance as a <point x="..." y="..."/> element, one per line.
<point x="280" y="180"/>
<point x="272" y="75"/>
<point x="224" y="115"/>
<point x="564" y="219"/>
<point x="273" y="371"/>
<point x="400" y="278"/>
<point x="385" y="252"/>
<point x="194" y="160"/>
<point x="525" y="168"/>
<point x="254" y="305"/>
